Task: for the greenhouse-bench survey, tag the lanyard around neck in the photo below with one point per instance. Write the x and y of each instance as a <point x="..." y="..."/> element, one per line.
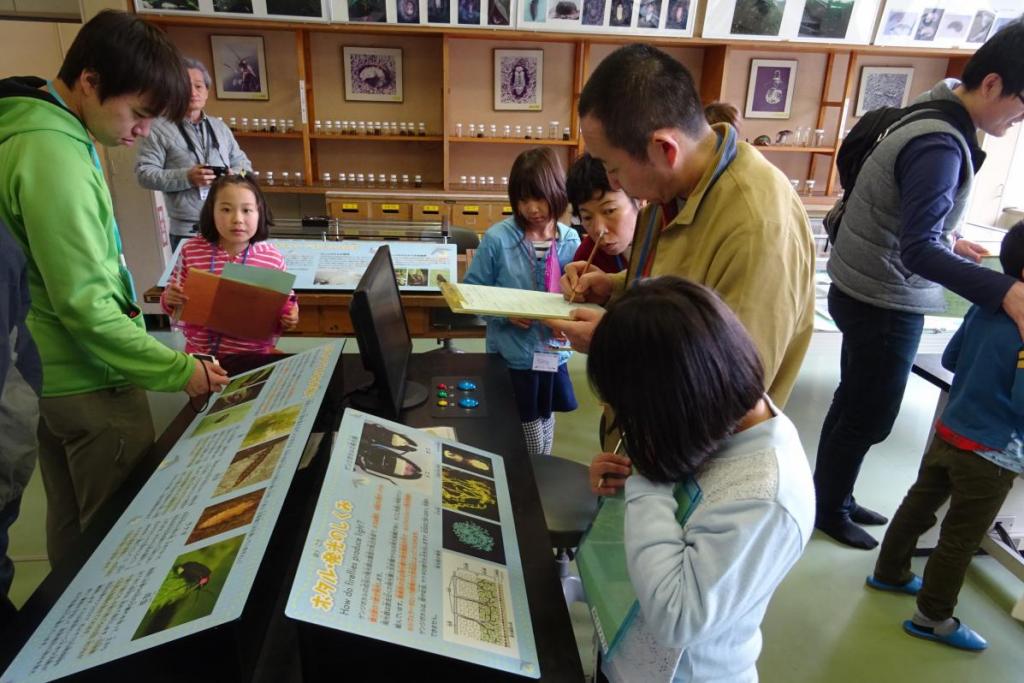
<point x="213" y="256"/>
<point x="126" y="274"/>
<point x="201" y="158"/>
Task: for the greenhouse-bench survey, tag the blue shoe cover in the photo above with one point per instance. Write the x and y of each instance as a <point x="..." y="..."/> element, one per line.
<point x="963" y="638"/>
<point x="912" y="587"/>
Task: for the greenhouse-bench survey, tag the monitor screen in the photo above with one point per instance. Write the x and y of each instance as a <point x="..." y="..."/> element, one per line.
<point x="384" y="342"/>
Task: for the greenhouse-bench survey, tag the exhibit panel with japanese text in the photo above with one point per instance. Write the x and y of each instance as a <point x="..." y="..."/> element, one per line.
<point x="413" y="542"/>
<point x="183" y="556"/>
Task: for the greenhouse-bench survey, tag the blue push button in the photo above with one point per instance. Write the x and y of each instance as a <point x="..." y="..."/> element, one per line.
<point x="466" y="385"/>
<point x="468" y="403"/>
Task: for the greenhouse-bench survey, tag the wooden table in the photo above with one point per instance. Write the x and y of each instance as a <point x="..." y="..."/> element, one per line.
<point x="326" y="315"/>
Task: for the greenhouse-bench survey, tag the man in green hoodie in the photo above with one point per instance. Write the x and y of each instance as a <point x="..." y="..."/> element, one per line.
<point x="118" y="75"/>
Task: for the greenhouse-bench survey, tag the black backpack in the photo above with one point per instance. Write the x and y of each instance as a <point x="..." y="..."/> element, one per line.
<point x="869" y="132"/>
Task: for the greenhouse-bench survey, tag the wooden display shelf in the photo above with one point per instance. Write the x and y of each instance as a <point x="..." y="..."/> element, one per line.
<point x="453" y="41"/>
<point x="516" y="141"/>
<point x="378" y="138"/>
<point x="792" y="148"/>
<point x="277" y="188"/>
<point x="297" y="135"/>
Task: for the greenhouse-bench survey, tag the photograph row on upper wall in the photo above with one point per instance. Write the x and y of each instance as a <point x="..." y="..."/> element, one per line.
<point x="920" y="23"/>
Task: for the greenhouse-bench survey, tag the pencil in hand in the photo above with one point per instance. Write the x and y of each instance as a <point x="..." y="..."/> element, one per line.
<point x="590" y="259"/>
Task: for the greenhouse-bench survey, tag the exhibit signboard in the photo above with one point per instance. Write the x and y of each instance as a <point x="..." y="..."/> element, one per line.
<point x="413" y="542"/>
<point x="337" y="266"/>
<point x="184" y="555"/>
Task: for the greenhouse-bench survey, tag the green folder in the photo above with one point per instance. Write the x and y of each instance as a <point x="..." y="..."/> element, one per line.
<point x="267" y="278"/>
<point x="601" y="560"/>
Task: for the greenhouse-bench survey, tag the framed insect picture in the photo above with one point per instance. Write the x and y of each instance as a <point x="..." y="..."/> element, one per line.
<point x="240" y="68"/>
<point x="372" y="74"/>
<point x="518" y="80"/>
<point x="770" y="90"/>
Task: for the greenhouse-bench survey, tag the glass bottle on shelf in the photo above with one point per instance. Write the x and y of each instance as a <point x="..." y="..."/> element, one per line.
<point x="405" y="180"/>
<point x="273" y="125"/>
<point x="342" y="178"/>
<point x="480" y="130"/>
<point x="458" y="130"/>
<point x="393" y="181"/>
<point x="361" y="128"/>
<point x="371" y="180"/>
<point x="403" y="129"/>
<point x="472" y="130"/>
<point x="490" y="181"/>
<point x="297" y="178"/>
<point x="809" y="187"/>
<point x="529" y="132"/>
<point x="417" y="181"/>
<point x="265" y="125"/>
<point x="566" y="133"/>
<point x="329" y="127"/>
<point x="463" y="183"/>
<point x="256" y="176"/>
<point x="318" y="127"/>
<point x="819" y="137"/>
<point x="421" y="129"/>
<point x="232" y="123"/>
<point x="494" y="130"/>
<point x="553" y="130"/>
<point x="325" y="178"/>
<point x="270" y="177"/>
<point x="291" y="125"/>
<point x="519" y="132"/>
<point x="339" y="129"/>
<point x="506" y="132"/>
<point x="245" y="124"/>
<point x="472" y="182"/>
<point x="286" y="178"/>
<point x="376" y="128"/>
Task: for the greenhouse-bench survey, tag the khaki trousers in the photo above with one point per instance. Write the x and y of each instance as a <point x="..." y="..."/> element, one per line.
<point x="88" y="445"/>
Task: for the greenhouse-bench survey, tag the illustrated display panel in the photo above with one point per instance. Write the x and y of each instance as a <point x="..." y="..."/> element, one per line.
<point x="413" y="542"/>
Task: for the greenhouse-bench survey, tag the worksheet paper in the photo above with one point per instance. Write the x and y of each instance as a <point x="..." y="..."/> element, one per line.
<point x="183" y="556"/>
<point x="413" y="542"/>
<point x="510" y="303"/>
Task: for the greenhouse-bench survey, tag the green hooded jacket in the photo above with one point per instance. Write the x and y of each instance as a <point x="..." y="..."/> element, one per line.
<point x="90" y="333"/>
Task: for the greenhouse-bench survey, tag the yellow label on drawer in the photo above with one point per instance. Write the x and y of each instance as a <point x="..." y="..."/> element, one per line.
<point x="389" y="207"/>
<point x="431" y="208"/>
<point x="506" y="211"/>
<point x="349" y="207"/>
<point x="474" y="210"/>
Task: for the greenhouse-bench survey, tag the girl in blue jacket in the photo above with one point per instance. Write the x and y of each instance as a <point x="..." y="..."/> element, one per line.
<point x="528" y="251"/>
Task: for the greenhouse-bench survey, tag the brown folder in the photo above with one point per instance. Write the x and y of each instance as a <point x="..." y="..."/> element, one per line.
<point x="230" y="307"/>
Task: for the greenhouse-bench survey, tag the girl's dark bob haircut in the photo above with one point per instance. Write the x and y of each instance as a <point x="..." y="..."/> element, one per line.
<point x="537" y="174"/>
<point x="207" y="226"/>
<point x="679" y="371"/>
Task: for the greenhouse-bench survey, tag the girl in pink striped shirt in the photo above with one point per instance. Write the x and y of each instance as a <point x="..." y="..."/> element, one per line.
<point x="233" y="226"/>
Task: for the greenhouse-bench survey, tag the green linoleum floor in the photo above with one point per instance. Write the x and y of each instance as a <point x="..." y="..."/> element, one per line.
<point x="822" y="625"/>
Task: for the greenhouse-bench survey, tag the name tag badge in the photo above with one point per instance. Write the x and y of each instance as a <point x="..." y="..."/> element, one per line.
<point x="545" y="362"/>
<point x="204" y="192"/>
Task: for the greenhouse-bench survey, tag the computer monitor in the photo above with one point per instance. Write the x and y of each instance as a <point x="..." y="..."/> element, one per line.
<point x="384" y="342"/>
